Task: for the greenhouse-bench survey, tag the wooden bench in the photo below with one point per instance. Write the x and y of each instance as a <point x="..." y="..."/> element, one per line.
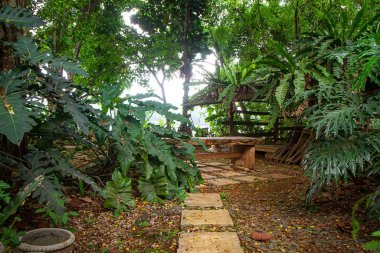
<point x="268" y="148"/>
<point x="240" y="149"/>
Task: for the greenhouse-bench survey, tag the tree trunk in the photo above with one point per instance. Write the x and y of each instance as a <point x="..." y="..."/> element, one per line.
<point x="186" y="71"/>
<point x="262" y="26"/>
<point x="297" y="27"/>
<point x="7" y="62"/>
<point x="230" y="115"/>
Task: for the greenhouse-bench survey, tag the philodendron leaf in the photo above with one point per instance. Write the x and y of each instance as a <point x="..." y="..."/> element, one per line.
<point x="76" y="111"/>
<point x="28" y="51"/>
<point x="71" y="67"/>
<point x="151" y="189"/>
<point x="18" y="16"/>
<point x="118" y="193"/>
<point x="15" y="118"/>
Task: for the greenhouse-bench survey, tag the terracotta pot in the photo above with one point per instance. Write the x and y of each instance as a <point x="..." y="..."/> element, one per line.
<point x="47" y="240"/>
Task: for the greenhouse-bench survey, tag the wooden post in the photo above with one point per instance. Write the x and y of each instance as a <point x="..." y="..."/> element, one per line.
<point x="230" y="115"/>
<point x="275" y="137"/>
<point x="249" y="158"/>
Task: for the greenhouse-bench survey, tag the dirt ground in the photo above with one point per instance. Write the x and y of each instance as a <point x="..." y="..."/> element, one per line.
<point x="275" y="206"/>
<point x="278" y="207"/>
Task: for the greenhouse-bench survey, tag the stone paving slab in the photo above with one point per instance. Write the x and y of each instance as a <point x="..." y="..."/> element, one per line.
<point x="277" y="176"/>
<point x="230" y="174"/>
<point x="219" y="217"/>
<point x="222" y="181"/>
<point x="209" y="169"/>
<point x="203" y="200"/>
<point x="216" y="164"/>
<point x="200" y="186"/>
<point x="251" y="179"/>
<point x="226" y="167"/>
<point x="207" y="176"/>
<point x="209" y="242"/>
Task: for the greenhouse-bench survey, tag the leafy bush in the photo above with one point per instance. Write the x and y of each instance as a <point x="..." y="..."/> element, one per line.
<point x="159" y="160"/>
<point x="38" y="108"/>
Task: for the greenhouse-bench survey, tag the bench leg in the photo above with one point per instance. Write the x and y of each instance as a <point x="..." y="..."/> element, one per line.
<point x="248" y="158"/>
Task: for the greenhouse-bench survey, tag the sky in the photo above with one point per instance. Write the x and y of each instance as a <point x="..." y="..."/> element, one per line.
<point x="174" y="87"/>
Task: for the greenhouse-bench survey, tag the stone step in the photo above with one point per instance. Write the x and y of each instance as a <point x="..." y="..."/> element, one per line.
<point x="219" y="217"/>
<point x="222" y="181"/>
<point x="209" y="242"/>
<point x="203" y="200"/>
<point x="250" y="179"/>
<point x="230" y="174"/>
<point x="210" y="169"/>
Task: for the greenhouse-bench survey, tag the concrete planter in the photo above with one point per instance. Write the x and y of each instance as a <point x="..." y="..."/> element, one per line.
<point x="47" y="240"/>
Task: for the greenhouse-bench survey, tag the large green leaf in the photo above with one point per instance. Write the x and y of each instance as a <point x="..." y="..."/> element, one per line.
<point x="283" y="88"/>
<point x="28" y="51"/>
<point x="18" y="16"/>
<point x="75" y="109"/>
<point x="118" y="193"/>
<point x="299" y="82"/>
<point x="153" y="188"/>
<point x="15" y="117"/>
<point x="19" y="199"/>
<point x="68" y="66"/>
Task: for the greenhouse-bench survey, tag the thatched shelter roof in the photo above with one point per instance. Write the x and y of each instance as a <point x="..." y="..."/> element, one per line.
<point x="210" y="96"/>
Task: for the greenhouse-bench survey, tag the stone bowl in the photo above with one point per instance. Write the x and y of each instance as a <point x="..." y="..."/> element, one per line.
<point x="46" y="240"/>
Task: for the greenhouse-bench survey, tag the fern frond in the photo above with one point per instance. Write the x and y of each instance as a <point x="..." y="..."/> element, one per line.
<point x="340" y="159"/>
<point x="283" y="88"/>
<point x="299" y="82"/>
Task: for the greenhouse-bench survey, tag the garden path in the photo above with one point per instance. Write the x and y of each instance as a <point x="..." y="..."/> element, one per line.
<point x="205" y="211"/>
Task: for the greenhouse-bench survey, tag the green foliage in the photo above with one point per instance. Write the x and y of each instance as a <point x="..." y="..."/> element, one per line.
<point x="18" y="16"/>
<point x="38" y="109"/>
<point x="118" y="193"/>
<point x="230" y="78"/>
<point x="56" y="219"/>
<point x="373" y="245"/>
<point x="16" y="117"/>
<point x="10" y="237"/>
<point x="366" y="53"/>
<point x="92" y="31"/>
<point x="282" y="89"/>
<point x="19" y="199"/>
<point x="155" y="156"/>
<point x="4" y="195"/>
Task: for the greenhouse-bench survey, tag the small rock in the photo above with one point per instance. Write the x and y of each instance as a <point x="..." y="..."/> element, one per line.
<point x="261" y="236"/>
<point x="87" y="200"/>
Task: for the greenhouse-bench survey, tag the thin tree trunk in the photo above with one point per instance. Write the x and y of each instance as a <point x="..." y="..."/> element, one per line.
<point x="262" y="26"/>
<point x="7" y="62"/>
<point x="297" y="27"/>
<point x="186" y="68"/>
<point x="230" y="114"/>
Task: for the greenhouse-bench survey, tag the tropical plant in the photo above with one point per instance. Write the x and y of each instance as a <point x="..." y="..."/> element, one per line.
<point x="9" y="236"/>
<point x="152" y="155"/>
<point x="38" y="109"/>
